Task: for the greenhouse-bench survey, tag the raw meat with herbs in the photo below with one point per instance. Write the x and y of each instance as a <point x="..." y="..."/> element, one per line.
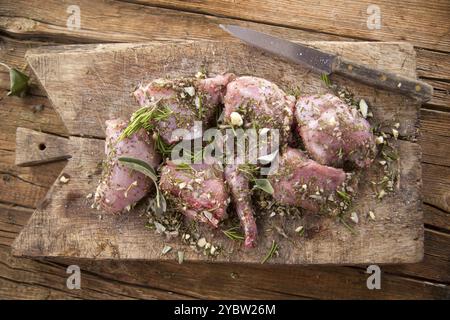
<point x="254" y="102"/>
<point x="333" y="132"/>
<point x="198" y="191"/>
<point x="176" y="103"/>
<point x="241" y="196"/>
<point x="121" y="187"/>
<point x="304" y="183"/>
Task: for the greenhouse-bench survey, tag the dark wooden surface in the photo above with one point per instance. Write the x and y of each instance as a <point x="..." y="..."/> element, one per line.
<point x="28" y="24"/>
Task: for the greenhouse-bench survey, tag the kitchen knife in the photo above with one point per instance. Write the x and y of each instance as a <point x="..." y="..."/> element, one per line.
<point x="327" y="63"/>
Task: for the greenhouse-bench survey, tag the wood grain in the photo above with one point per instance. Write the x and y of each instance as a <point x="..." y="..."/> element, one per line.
<point x="33" y="148"/>
<point x="24" y="278"/>
<point x="123" y="23"/>
<point x="428" y="21"/>
<point x="102" y="93"/>
<point x="104" y="23"/>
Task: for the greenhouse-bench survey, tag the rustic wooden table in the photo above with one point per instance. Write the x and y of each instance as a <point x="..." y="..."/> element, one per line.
<point x="28" y="24"/>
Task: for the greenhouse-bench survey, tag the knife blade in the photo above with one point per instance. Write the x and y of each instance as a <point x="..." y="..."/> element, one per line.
<point x="327" y="63"/>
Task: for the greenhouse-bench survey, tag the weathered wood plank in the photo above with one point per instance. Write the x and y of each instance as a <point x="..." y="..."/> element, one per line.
<point x="102" y="93"/>
<point x="34" y="148"/>
<point x="155" y="280"/>
<point x="439" y="178"/>
<point x="436" y="217"/>
<point x="435" y="137"/>
<point x="194" y="29"/>
<point x="88" y="36"/>
<point x="425" y="24"/>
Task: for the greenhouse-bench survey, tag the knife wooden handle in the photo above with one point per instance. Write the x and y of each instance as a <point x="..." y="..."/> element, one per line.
<point x="384" y="80"/>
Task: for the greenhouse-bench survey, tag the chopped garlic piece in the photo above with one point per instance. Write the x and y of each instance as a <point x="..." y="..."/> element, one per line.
<point x="363" y="107"/>
<point x="354" y="217"/>
<point x="236" y="119"/>
<point x="379" y="140"/>
<point x="190" y="91"/>
<point x="395" y="133"/>
<point x="201" y="242"/>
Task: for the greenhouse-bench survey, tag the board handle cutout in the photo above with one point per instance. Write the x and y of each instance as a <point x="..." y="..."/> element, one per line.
<point x="34" y="147"/>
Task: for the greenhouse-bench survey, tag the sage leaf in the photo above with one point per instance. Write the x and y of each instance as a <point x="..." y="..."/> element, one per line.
<point x="139" y="165"/>
<point x="264" y="185"/>
<point x="145" y="168"/>
<point x="18" y="83"/>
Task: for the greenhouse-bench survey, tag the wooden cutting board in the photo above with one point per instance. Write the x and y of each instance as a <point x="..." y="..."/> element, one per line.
<point x="89" y="84"/>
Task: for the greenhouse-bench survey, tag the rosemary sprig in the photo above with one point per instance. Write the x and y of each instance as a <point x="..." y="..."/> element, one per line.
<point x="272" y="251"/>
<point x="143" y="118"/>
<point x="345" y="224"/>
<point x="233" y="234"/>
<point x="164" y="148"/>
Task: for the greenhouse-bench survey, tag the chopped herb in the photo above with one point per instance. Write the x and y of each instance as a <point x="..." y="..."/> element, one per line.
<point x="272" y="251"/>
<point x="324" y="77"/>
<point x="296" y="92"/>
<point x="344" y="196"/>
<point x="184" y="167"/>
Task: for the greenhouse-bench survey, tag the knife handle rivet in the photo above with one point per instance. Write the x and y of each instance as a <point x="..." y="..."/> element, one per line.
<point x="418" y="87"/>
<point x="383" y="77"/>
<point x="350" y="67"/>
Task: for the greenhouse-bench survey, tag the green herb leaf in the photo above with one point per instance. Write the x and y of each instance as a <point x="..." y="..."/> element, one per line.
<point x="163" y="148"/>
<point x="272" y="251"/>
<point x="264" y="185"/>
<point x="344" y="196"/>
<point x="233" y="234"/>
<point x="19" y="83"/>
<point x="145" y="168"/>
<point x="324" y="77"/>
<point x="139" y="165"/>
<point x="352" y="231"/>
<point x="144" y="117"/>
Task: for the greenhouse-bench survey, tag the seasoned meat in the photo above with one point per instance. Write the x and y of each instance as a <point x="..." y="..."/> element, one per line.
<point x="121" y="187"/>
<point x="183" y="101"/>
<point x="302" y="182"/>
<point x="334" y="133"/>
<point x="198" y="191"/>
<point x="260" y="104"/>
<point x="239" y="186"/>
